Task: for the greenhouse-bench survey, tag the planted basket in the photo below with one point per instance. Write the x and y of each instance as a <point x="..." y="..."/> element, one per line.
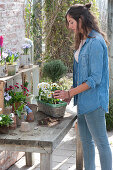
<point x="54" y="110"/>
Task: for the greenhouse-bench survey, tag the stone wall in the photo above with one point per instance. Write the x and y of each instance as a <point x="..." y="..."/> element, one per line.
<point x="12" y="29"/>
<point x="12" y="23"/>
<point x="9" y="158"/>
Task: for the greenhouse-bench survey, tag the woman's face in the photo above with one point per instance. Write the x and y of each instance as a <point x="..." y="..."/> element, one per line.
<point x="72" y="24"/>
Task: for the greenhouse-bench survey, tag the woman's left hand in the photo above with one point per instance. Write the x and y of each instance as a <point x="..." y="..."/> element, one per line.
<point x="61" y="94"/>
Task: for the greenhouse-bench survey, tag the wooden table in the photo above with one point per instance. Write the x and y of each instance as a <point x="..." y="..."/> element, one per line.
<point x="40" y="139"/>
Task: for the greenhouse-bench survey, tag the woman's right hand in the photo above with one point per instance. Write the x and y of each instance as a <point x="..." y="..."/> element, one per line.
<point x="67" y="100"/>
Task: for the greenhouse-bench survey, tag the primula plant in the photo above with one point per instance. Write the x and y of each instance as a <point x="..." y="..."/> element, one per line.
<point x="26" y="48"/>
<point x="5" y="120"/>
<point x="45" y="92"/>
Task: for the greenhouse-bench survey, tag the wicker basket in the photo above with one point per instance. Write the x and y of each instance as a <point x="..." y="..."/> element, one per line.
<point x="54" y="110"/>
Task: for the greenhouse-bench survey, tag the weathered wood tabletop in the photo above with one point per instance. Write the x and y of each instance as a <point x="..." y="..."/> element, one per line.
<point x="41" y="139"/>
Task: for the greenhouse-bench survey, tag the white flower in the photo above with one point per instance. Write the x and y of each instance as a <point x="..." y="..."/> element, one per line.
<point x="43" y="86"/>
<point x="0" y="118"/>
<point x="12" y="115"/>
<point x="0" y="109"/>
<point x="54" y="85"/>
<point x="49" y="95"/>
<point x="4" y="55"/>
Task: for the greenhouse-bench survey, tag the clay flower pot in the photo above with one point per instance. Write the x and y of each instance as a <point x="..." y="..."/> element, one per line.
<point x="17" y="104"/>
<point x="19" y="120"/>
<point x="4" y="129"/>
<point x="30" y="117"/>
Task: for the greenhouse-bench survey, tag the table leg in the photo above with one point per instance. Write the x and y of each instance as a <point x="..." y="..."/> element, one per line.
<point x="45" y="161"/>
<point x="28" y="156"/>
<point x="79" y="153"/>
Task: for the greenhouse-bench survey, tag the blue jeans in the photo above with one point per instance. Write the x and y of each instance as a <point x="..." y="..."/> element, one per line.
<point x="92" y="128"/>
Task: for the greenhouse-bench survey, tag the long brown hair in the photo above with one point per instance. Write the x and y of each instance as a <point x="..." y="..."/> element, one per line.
<point x="89" y="22"/>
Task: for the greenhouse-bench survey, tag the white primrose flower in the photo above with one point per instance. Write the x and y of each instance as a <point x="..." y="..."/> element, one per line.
<point x="49" y="95"/>
<point x="54" y="85"/>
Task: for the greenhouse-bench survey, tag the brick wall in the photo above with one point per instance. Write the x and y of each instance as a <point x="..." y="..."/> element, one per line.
<point x="12" y="23"/>
<point x="12" y="29"/>
<point x="9" y="158"/>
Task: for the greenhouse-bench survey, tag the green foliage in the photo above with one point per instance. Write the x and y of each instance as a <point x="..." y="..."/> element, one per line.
<point x="19" y="110"/>
<point x="58" y="39"/>
<point x="109" y="117"/>
<point x="5" y="120"/>
<point x="33" y="25"/>
<point x="54" y="70"/>
<point x="45" y="24"/>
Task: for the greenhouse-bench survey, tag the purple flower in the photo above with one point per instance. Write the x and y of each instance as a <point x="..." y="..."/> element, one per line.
<point x="7" y="97"/>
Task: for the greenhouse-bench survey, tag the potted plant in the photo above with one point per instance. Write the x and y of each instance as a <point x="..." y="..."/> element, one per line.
<point x="20" y="114"/>
<point x="54" y="70"/>
<point x="25" y="58"/>
<point x="2" y="59"/>
<point x="5" y="121"/>
<point x="15" y="96"/>
<point x="46" y="102"/>
<point x="11" y="63"/>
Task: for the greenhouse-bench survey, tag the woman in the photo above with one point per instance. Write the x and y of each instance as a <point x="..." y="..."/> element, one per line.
<point x="90" y="85"/>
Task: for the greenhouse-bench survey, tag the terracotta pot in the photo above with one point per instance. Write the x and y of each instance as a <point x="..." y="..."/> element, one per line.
<point x="4" y="129"/>
<point x="17" y="104"/>
<point x="30" y="117"/>
<point x="33" y="107"/>
<point x="19" y="120"/>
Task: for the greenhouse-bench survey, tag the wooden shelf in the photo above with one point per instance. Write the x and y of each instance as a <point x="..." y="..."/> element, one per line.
<point x="30" y="74"/>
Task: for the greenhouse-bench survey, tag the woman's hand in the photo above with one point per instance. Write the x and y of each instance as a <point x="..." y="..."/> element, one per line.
<point x="61" y="94"/>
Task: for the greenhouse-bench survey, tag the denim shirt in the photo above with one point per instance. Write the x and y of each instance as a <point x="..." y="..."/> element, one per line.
<point x="92" y="68"/>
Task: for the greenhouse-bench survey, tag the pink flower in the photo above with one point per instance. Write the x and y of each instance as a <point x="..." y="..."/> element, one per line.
<point x="16" y="86"/>
<point x="1" y="41"/>
<point x="22" y="86"/>
<point x="17" y="83"/>
<point x="26" y="89"/>
<point x="24" y="93"/>
<point x="11" y="87"/>
<point x="7" y="89"/>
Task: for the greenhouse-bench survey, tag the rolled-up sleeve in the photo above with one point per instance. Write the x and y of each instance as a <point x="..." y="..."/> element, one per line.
<point x="95" y="63"/>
